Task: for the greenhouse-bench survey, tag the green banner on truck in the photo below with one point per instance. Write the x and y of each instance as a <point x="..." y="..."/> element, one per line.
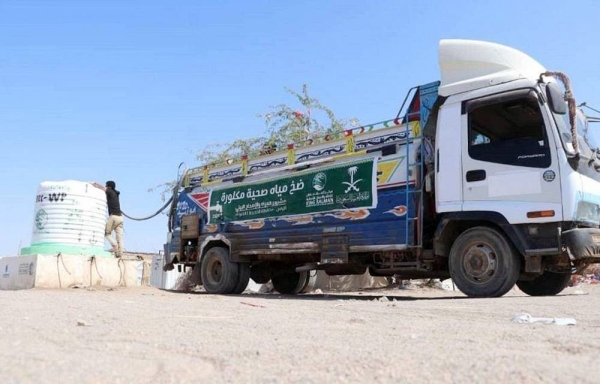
<point x="347" y="185"/>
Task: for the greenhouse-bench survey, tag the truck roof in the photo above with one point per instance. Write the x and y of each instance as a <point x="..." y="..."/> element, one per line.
<point x="466" y="65"/>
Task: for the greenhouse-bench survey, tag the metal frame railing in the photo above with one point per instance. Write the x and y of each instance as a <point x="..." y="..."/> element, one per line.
<point x="292" y="156"/>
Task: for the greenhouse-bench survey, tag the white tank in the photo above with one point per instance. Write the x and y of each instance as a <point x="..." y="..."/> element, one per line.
<point x="69" y="217"/>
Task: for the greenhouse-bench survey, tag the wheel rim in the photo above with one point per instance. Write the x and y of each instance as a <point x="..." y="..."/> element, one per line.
<point x="479" y="262"/>
<point x="215" y="271"/>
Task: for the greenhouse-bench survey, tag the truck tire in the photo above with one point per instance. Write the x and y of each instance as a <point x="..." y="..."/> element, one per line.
<point x="261" y="273"/>
<point x="483" y="263"/>
<point x="547" y="284"/>
<point x="219" y="275"/>
<point x="243" y="278"/>
<point x="290" y="283"/>
<point x="311" y="281"/>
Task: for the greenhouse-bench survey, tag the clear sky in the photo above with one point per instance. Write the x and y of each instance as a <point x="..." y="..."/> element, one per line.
<point x="126" y="90"/>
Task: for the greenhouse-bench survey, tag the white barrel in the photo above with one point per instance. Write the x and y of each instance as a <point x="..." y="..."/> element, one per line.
<point x="69" y="215"/>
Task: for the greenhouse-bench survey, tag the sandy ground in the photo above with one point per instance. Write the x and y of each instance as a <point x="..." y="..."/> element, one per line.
<point x="421" y="335"/>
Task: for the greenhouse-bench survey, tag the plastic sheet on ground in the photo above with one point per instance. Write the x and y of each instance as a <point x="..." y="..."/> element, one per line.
<point x="526" y="318"/>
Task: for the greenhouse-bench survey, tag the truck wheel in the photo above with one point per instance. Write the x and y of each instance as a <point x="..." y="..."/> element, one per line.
<point x="243" y="278"/>
<point x="547" y="284"/>
<point x="483" y="263"/>
<point x="290" y="283"/>
<point x="219" y="275"/>
<point x="260" y="273"/>
<point x="311" y="281"/>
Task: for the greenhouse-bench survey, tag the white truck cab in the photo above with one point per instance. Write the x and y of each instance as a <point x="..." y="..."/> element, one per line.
<point x="506" y="157"/>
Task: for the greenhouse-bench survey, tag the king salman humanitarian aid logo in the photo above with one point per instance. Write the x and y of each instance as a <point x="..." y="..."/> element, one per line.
<point x="319" y="181"/>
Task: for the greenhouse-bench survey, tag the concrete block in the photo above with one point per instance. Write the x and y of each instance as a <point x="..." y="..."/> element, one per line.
<point x="63" y="271"/>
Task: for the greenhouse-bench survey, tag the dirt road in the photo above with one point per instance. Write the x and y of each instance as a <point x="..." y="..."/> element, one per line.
<point x="147" y="335"/>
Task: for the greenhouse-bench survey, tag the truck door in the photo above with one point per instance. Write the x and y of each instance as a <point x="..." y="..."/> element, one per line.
<point x="509" y="162"/>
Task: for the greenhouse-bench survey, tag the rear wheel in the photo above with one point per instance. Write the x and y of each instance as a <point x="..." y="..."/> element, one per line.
<point x="243" y="278"/>
<point x="260" y="273"/>
<point x="311" y="281"/>
<point x="548" y="284"/>
<point x="290" y="283"/>
<point x="219" y="275"/>
<point x="483" y="263"/>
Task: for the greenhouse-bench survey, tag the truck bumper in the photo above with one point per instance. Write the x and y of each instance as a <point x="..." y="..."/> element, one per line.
<point x="584" y="243"/>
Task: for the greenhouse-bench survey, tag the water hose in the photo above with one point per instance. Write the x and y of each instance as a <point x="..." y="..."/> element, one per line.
<point x="172" y="200"/>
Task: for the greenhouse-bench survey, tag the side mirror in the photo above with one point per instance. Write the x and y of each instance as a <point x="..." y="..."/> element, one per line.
<point x="556" y="99"/>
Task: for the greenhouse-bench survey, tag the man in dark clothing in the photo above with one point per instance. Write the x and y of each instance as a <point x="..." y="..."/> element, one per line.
<point x="115" y="217"/>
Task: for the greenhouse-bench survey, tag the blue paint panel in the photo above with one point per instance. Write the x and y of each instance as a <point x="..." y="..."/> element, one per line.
<point x="186" y="205"/>
<point x="384" y="225"/>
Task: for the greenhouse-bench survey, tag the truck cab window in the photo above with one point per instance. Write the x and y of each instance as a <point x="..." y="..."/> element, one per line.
<point x="508" y="132"/>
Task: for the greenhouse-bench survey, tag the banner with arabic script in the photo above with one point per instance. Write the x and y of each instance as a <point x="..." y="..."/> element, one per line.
<point x="347" y="185"/>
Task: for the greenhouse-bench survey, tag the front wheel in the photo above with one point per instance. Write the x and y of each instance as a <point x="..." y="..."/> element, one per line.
<point x="483" y="263"/>
<point x="219" y="275"/>
<point x="548" y="284"/>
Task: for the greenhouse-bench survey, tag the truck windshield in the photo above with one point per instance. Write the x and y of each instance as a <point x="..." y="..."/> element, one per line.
<point x="590" y="136"/>
<point x="588" y="142"/>
<point x="587" y="139"/>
